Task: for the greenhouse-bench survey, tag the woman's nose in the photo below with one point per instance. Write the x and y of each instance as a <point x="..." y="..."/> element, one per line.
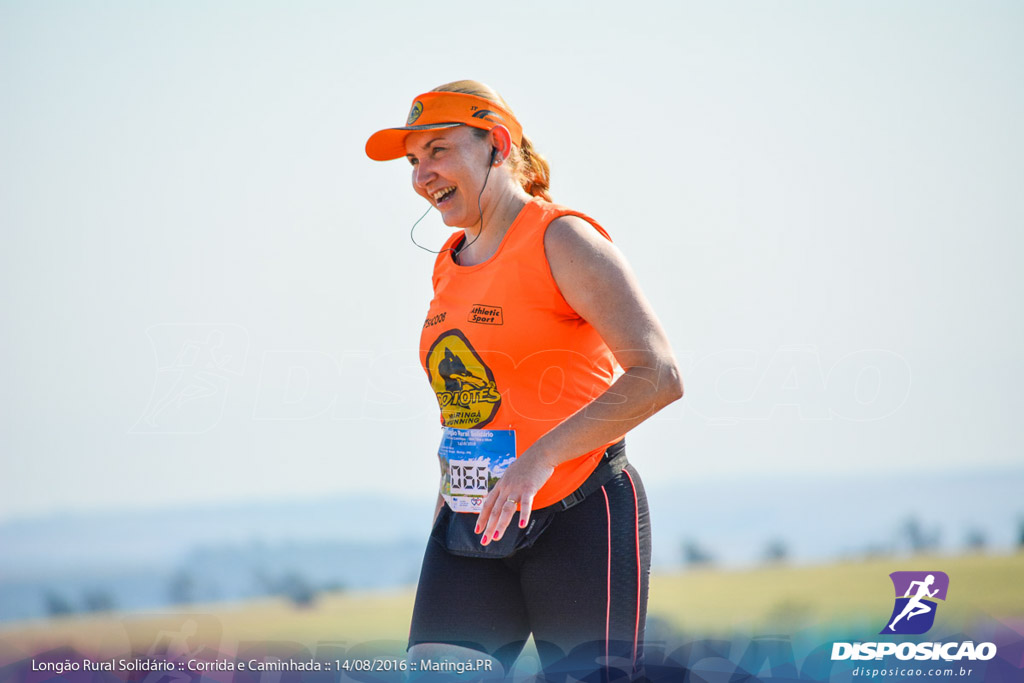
<point x="422" y="174"/>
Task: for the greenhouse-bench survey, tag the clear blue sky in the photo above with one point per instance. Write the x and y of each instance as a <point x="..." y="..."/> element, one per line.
<point x="209" y="292"/>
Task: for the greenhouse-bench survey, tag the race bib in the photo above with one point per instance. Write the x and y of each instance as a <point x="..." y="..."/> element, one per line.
<point x="472" y="462"/>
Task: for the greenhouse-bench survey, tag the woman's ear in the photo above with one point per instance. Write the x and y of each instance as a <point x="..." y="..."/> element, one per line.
<point x="501" y="141"/>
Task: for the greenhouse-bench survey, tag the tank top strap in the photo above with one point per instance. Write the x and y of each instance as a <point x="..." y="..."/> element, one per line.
<point x="541" y="214"/>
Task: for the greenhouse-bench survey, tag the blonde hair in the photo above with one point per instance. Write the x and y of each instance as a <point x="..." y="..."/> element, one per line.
<point x="532" y="170"/>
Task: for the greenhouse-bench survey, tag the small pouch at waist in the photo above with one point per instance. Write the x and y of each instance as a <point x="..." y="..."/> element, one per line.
<point x="455" y="530"/>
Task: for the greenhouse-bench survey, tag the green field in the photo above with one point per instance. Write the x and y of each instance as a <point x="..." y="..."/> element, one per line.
<point x="706" y="602"/>
<point x="789" y="599"/>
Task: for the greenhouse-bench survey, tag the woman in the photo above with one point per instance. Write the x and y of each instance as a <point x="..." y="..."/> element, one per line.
<point x="543" y="353"/>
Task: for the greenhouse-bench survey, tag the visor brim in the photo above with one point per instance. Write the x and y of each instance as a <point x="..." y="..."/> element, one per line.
<point x="388" y="144"/>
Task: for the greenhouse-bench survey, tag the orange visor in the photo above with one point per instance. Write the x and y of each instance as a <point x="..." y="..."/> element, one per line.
<point x="442" y="110"/>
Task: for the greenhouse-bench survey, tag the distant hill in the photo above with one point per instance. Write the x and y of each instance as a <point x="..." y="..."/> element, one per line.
<point x="136" y="559"/>
<point x="820" y="519"/>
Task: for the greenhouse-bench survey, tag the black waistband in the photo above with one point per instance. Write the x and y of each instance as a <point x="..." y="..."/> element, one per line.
<point x="612" y="462"/>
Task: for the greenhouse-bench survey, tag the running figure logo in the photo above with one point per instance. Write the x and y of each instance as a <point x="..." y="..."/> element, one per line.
<point x="916" y="593"/>
<point x="196" y="364"/>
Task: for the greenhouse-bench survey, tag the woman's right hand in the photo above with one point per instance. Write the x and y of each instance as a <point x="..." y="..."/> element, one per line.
<point x="517" y="487"/>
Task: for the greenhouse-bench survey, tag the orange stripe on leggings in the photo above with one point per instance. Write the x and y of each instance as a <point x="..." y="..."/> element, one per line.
<point x="608" y="597"/>
<point x="636" y="516"/>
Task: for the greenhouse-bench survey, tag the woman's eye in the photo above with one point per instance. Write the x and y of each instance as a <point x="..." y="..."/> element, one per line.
<point x="412" y="160"/>
<point x="437" y="150"/>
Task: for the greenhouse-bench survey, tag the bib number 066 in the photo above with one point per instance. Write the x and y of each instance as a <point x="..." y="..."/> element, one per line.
<point x="468" y="477"/>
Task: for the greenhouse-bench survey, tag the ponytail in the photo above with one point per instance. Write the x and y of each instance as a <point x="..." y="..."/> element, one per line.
<point x="535" y="171"/>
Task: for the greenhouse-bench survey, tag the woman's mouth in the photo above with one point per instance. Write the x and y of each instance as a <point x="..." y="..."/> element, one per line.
<point x="443" y="196"/>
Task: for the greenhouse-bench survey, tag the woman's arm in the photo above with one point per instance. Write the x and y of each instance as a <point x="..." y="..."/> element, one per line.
<point x="597" y="282"/>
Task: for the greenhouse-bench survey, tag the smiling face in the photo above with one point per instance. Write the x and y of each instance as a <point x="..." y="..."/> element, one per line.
<point x="448" y="170"/>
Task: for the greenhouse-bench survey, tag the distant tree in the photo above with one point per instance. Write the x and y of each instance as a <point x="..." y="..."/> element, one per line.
<point x="98" y="600"/>
<point x="875" y="551"/>
<point x="976" y="541"/>
<point x="776" y="552"/>
<point x="181" y="588"/>
<point x="297" y="589"/>
<point x="264" y="581"/>
<point x="919" y="539"/>
<point x="57" y="605"/>
<point x="694" y="555"/>
<point x="1020" y="535"/>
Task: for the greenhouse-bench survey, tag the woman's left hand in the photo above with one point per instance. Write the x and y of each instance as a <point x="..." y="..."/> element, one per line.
<point x="519" y="484"/>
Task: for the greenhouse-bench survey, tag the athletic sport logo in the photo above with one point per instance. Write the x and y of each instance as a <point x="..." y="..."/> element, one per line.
<point x="916" y="595"/>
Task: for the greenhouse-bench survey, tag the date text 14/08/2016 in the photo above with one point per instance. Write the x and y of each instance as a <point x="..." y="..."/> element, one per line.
<point x="459" y="667"/>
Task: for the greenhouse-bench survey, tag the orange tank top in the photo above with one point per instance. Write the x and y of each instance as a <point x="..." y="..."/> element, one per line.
<point x="504" y="350"/>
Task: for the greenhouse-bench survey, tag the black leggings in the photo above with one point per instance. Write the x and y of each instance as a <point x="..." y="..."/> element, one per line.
<point x="581" y="589"/>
